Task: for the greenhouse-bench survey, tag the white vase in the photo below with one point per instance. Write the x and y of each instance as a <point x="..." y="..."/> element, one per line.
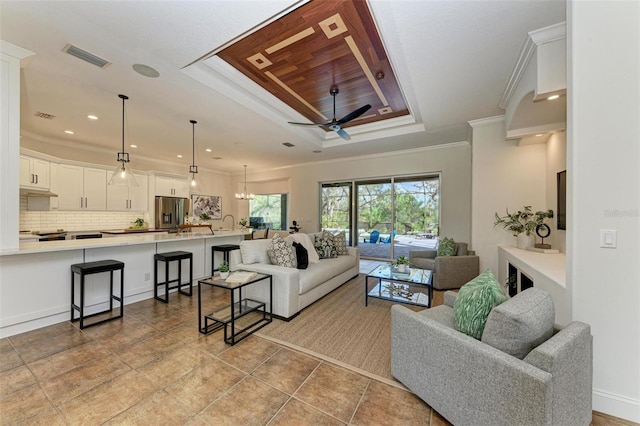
<point x="224" y="275"/>
<point x="402" y="268"/>
<point x="523" y="241"/>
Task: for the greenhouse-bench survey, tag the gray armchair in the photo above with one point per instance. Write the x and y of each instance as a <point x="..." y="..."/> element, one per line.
<point x="472" y="382"/>
<point x="449" y="272"/>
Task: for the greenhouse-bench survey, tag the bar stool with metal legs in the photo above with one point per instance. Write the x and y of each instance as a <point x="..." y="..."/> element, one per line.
<point x="225" y="249"/>
<point x="167" y="258"/>
<point x="84" y="269"/>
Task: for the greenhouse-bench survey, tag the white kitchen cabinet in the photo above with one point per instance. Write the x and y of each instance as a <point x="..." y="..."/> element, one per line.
<point x="81" y="188"/>
<point x="172" y="186"/>
<point x="34" y="172"/>
<point x="124" y="198"/>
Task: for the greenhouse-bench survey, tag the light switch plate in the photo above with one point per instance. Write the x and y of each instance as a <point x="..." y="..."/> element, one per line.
<point x="608" y="238"/>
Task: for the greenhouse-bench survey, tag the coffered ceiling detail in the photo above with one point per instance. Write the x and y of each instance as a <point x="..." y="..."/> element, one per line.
<point x="320" y="45"/>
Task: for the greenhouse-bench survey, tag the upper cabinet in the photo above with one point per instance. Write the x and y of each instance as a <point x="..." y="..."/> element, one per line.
<point x="34" y="172"/>
<point x="124" y="198"/>
<point x="81" y="188"/>
<point x="172" y="186"/>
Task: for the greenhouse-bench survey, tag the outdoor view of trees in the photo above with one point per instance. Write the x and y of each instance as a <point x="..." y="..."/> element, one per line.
<point x="416" y="206"/>
<point x="272" y="208"/>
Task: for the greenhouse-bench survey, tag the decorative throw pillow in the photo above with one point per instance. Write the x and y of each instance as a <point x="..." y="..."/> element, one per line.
<point x="447" y="247"/>
<point x="339" y="241"/>
<point x="521" y="323"/>
<point x="308" y="243"/>
<point x="325" y="248"/>
<point x="475" y="301"/>
<point x="302" y="255"/>
<point x="282" y="253"/>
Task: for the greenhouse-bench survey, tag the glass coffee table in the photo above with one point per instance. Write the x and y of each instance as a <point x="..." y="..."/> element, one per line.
<point x="402" y="287"/>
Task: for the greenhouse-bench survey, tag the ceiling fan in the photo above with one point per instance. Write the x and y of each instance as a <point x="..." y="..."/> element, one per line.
<point x="336" y="125"/>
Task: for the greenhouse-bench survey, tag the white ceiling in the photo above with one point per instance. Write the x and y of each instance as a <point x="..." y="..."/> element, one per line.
<point x="452" y="58"/>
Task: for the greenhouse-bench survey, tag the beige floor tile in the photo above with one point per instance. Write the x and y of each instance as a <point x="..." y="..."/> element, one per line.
<point x="34" y="349"/>
<point x="127" y="337"/>
<point x="107" y="400"/>
<point x="211" y="343"/>
<point x="13" y="380"/>
<point x="164" y="321"/>
<point x="163" y="371"/>
<point x="389" y="405"/>
<point x="159" y="408"/>
<point x="145" y="351"/>
<point x="64" y="361"/>
<point x="111" y="328"/>
<point x="204" y="384"/>
<point x="286" y="370"/>
<point x="298" y="413"/>
<point x="249" y="353"/>
<point x="186" y="332"/>
<point x="249" y="403"/>
<point x="334" y="390"/>
<point x="74" y="382"/>
<point x="9" y="358"/>
<point x="48" y="417"/>
<point x="22" y="405"/>
<point x="152" y="306"/>
<point x="43" y="333"/>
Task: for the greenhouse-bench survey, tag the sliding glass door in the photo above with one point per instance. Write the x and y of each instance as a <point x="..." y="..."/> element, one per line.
<point x="385" y="217"/>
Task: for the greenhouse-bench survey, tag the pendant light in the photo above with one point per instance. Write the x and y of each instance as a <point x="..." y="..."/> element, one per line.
<point x="245" y="195"/>
<point x="123" y="175"/>
<point x="193" y="169"/>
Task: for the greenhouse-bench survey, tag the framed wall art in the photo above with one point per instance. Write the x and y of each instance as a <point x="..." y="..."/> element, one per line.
<point x="210" y="205"/>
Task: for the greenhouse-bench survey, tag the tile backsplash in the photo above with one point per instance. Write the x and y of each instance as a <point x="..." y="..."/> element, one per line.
<point x="75" y="220"/>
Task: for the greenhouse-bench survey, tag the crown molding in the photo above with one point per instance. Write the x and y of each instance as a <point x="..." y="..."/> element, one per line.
<point x="534" y="39"/>
<point x="481" y="122"/>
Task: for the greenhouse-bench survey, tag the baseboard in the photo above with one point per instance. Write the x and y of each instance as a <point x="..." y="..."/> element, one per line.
<point x="616" y="405"/>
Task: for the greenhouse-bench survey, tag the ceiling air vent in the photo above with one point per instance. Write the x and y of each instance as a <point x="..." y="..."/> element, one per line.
<point x="44" y="115"/>
<point x="86" y="56"/>
<point x="288" y="144"/>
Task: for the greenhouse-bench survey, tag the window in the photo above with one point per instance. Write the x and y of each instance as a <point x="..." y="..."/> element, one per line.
<point x="270" y="210"/>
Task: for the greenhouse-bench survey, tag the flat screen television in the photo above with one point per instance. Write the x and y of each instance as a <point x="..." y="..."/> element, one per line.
<point x="562" y="200"/>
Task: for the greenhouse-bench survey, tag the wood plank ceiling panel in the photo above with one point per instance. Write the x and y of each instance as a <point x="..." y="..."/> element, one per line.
<point x="299" y="57"/>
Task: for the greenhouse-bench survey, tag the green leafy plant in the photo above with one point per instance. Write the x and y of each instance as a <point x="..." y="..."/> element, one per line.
<point x="523" y="221"/>
<point x="223" y="267"/>
<point x="401" y="260"/>
<point x="138" y="223"/>
<point x="242" y="222"/>
<point x="205" y="216"/>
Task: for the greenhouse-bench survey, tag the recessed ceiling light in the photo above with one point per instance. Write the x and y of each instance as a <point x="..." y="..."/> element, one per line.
<point x="553" y="97"/>
<point x="92" y="117"/>
<point x="216" y="158"/>
<point x="316" y="151"/>
<point x="538" y="135"/>
<point x="69" y="132"/>
<point x="208" y="149"/>
<point x="145" y="70"/>
<point x="133" y="146"/>
<point x="179" y="155"/>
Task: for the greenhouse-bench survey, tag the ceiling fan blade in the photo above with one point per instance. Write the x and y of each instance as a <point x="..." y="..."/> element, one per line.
<point x="305" y="124"/>
<point x="354" y="114"/>
<point x="344" y="135"/>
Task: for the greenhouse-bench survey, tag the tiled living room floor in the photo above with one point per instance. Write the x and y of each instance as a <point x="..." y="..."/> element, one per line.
<point x="154" y="367"/>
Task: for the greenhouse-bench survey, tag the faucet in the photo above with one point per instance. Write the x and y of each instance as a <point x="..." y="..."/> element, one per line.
<point x="233" y="221"/>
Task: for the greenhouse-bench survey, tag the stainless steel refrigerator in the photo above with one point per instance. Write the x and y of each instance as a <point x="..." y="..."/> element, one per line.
<point x="171" y="211"/>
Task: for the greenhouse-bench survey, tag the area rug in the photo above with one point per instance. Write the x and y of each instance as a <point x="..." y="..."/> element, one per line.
<point x="340" y="328"/>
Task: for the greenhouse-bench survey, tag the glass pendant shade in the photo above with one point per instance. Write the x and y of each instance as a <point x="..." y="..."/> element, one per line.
<point x="123" y="175"/>
<point x="193" y="169"/>
<point x="245" y="195"/>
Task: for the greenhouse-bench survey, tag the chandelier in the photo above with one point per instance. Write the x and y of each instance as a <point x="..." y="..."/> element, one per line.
<point x="245" y="195"/>
<point x="193" y="169"/>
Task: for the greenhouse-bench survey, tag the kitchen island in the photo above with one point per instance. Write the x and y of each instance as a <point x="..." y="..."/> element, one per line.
<point x="35" y="280"/>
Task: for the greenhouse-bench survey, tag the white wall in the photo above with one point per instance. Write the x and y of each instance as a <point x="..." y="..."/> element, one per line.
<point x="603" y="158"/>
<point x="556" y="162"/>
<point x="504" y="175"/>
<point x="453" y="161"/>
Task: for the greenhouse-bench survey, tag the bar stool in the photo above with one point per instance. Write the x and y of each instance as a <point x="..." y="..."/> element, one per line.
<point x="84" y="269"/>
<point x="167" y="258"/>
<point x="225" y="249"/>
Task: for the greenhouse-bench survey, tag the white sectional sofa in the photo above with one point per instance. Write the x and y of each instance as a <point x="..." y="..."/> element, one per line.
<point x="293" y="289"/>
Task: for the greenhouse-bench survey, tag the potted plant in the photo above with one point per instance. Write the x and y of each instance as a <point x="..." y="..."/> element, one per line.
<point x="401" y="263"/>
<point x="224" y="270"/>
<point x="523" y="223"/>
<point x="243" y="222"/>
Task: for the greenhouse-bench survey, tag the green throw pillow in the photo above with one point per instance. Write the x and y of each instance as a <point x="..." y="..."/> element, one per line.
<point x="475" y="301"/>
<point x="447" y="247"/>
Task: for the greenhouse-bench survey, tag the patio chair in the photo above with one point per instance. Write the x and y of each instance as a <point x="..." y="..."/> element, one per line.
<point x="387" y="240"/>
<point x="373" y="237"/>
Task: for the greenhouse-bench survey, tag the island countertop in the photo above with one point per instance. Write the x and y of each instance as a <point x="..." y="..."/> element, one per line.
<point x="28" y="247"/>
